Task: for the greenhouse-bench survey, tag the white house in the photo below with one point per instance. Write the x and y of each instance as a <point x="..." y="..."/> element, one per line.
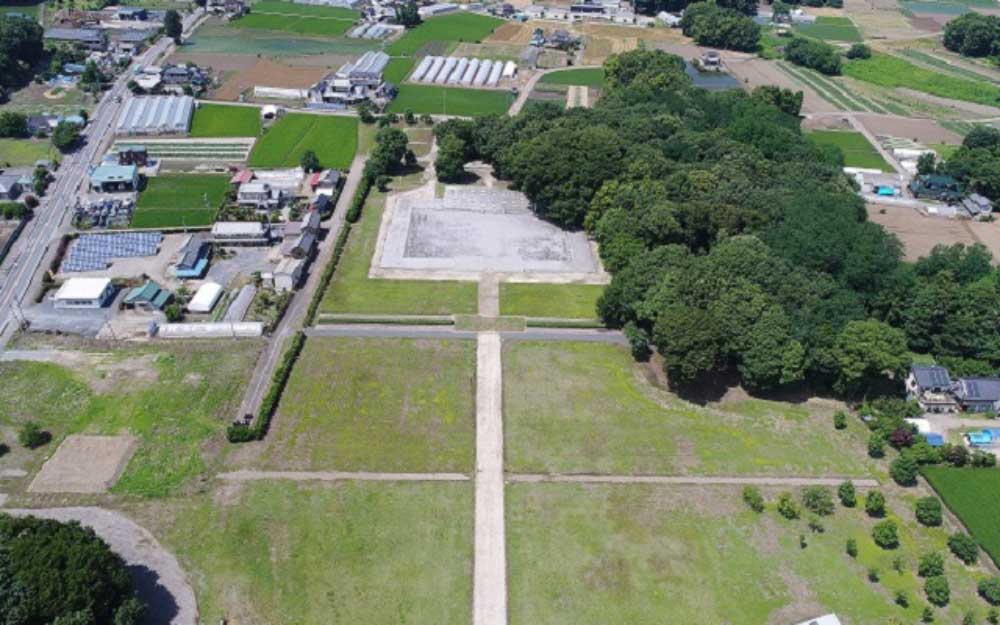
<point x="84" y="293"/>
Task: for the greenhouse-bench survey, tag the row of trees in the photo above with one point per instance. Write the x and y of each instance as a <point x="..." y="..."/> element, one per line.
<point x="734" y="243"/>
<point x="973" y="34"/>
<point x="747" y="7"/>
<point x="814" y="54"/>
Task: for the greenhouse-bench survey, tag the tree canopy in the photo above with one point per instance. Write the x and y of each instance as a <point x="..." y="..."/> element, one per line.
<point x="973" y="34"/>
<point x="719" y="26"/>
<point x="20" y="49"/>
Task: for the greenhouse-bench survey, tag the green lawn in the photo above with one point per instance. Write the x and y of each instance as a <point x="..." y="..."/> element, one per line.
<point x="944" y="150"/>
<point x="334" y="139"/>
<point x="587" y="408"/>
<point x="219" y="120"/>
<point x="329" y="553"/>
<point x="858" y="151"/>
<point x="450" y="101"/>
<point x="24" y="152"/>
<point x="393" y="405"/>
<point x="688" y="556"/>
<point x="299" y="24"/>
<point x="458" y="26"/>
<point x="590" y="77"/>
<point x="352" y="291"/>
<point x="220" y="39"/>
<point x="830" y="29"/>
<point x="309" y="10"/>
<point x="176" y="200"/>
<point x="176" y="399"/>
<point x="567" y="301"/>
<point x="27" y="8"/>
<point x="398" y="69"/>
<point x="890" y="71"/>
<point x="972" y="494"/>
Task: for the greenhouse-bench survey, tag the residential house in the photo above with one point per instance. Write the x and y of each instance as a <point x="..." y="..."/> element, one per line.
<point x="937" y="187"/>
<point x="327" y="181"/>
<point x="183" y="75"/>
<point x="10" y="186"/>
<point x="355" y="82"/>
<point x="978" y="394"/>
<point x="932" y="388"/>
<point x="310" y="223"/>
<point x="299" y="246"/>
<point x="149" y="297"/>
<point x="259" y="195"/>
<point x="114" y="178"/>
<point x="86" y="38"/>
<point x="322" y="204"/>
<point x="242" y="233"/>
<point x="194" y="259"/>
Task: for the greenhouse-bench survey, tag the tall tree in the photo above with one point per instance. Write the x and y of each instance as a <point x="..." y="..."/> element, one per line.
<point x="172" y="25"/>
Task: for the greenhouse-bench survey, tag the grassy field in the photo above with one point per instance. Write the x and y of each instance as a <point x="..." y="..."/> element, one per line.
<point x="176" y="399"/>
<point x="450" y="101"/>
<point x="299" y="24"/>
<point x="587" y="408"/>
<point x="219" y="120"/>
<point x="24" y="152"/>
<point x="972" y="495"/>
<point x="589" y="77"/>
<point x="398" y="69"/>
<point x="383" y="411"/>
<point x="890" y="71"/>
<point x="858" y="151"/>
<point x="328" y="553"/>
<point x="458" y="26"/>
<point x="334" y="139"/>
<point x="830" y="29"/>
<point x="220" y="40"/>
<point x="174" y="200"/>
<point x="352" y="291"/>
<point x="308" y="10"/>
<point x="567" y="301"/>
<point x="687" y="555"/>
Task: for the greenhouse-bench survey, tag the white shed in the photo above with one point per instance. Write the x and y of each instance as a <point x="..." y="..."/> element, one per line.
<point x="206" y="298"/>
<point x="83" y="293"/>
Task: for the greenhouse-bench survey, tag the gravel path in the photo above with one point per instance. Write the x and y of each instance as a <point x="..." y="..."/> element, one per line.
<point x="249" y="475"/>
<point x="689" y="480"/>
<point x="160" y="581"/>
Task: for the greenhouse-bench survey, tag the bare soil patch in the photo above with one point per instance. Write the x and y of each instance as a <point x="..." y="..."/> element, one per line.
<point x="920" y="233"/>
<point x="269" y="73"/>
<point x="758" y="72"/>
<point x="511" y="32"/>
<point x="84" y="464"/>
<point x="920" y="130"/>
<point x="826" y="122"/>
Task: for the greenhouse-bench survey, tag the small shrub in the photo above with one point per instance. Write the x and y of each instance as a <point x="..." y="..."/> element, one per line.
<point x="873" y="575"/>
<point x="31" y="435"/>
<point x="802" y="541"/>
<point x="964" y="547"/>
<point x="859" y="51"/>
<point x="989" y="589"/>
<point x="902" y="599"/>
<point x="930" y="565"/>
<point x="876" y="445"/>
<point x="815" y="526"/>
<point x="847" y="494"/>
<point x="851" y="547"/>
<point x="928" y="511"/>
<point x="927" y="616"/>
<point x="993" y="616"/>
<point x="840" y="420"/>
<point x="937" y="590"/>
<point x="787" y="506"/>
<point x="817" y="499"/>
<point x="886" y="534"/>
<point x="753" y="498"/>
<point x="875" y="503"/>
<point x="904" y="470"/>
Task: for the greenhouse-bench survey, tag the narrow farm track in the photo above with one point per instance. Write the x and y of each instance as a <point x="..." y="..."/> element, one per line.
<point x="688" y="480"/>
<point x="250" y="475"/>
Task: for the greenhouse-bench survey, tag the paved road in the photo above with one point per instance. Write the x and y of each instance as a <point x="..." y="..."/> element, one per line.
<point x="295" y="315"/>
<point x="693" y="480"/>
<point x="250" y="475"/>
<point x="39" y="239"/>
<point x="158" y="577"/>
<point x="489" y="598"/>
<point x="448" y="332"/>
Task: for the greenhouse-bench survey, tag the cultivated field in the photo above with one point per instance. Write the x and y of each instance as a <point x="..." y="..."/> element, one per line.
<point x="589" y="77"/>
<point x="173" y="200"/>
<point x="645" y="554"/>
<point x="857" y="150"/>
<point x="220" y="39"/>
<point x="971" y="495"/>
<point x="327" y="553"/>
<point x="830" y="29"/>
<point x="588" y="408"/>
<point x="352" y="291"/>
<point x="567" y="301"/>
<point x="450" y="101"/>
<point x="398" y="69"/>
<point x="308" y="10"/>
<point x="894" y="72"/>
<point x="398" y="405"/>
<point x="302" y="25"/>
<point x="460" y="26"/>
<point x="334" y="139"/>
<point x="175" y="399"/>
<point x="219" y="120"/>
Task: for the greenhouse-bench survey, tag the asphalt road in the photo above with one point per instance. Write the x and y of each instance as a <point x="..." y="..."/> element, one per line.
<point x="21" y="267"/>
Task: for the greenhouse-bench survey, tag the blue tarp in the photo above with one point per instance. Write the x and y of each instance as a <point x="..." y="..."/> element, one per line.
<point x="934" y="440"/>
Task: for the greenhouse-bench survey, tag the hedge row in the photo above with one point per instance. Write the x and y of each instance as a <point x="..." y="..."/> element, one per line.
<point x="359" y="199"/>
<point x="327" y="276"/>
<point x="240" y="433"/>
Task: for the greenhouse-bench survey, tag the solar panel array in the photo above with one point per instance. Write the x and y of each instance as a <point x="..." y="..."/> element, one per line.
<point x="94" y="252"/>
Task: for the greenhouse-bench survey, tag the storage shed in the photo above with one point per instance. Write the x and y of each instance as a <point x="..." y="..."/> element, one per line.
<point x="206" y="298"/>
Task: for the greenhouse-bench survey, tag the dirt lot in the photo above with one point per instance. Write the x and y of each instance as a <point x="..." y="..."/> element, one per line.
<point x="920" y="130"/>
<point x="879" y="19"/>
<point x="756" y="72"/>
<point x="268" y="73"/>
<point x="84" y="464"/>
<point x="920" y="233"/>
<point x="511" y="32"/>
<point x="156" y="267"/>
<point x="826" y="122"/>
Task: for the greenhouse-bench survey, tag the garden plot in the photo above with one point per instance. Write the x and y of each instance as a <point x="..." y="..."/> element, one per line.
<point x="211" y="151"/>
<point x="478" y="229"/>
<point x="84" y="464"/>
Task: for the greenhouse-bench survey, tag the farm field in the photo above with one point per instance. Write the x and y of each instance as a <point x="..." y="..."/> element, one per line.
<point x="588" y="408"/>
<point x="459" y="26"/>
<point x="175" y="399"/>
<point x="838" y="93"/>
<point x="857" y="150"/>
<point x="894" y="72"/>
<point x="220" y="40"/>
<point x="567" y="301"/>
<point x="328" y="553"/>
<point x="24" y="152"/>
<point x="352" y="291"/>
<point x="334" y="139"/>
<point x="830" y="29"/>
<point x="308" y="10"/>
<point x="422" y="417"/>
<point x="219" y="120"/>
<point x="177" y="200"/>
<point x="299" y="24"/>
<point x="450" y="101"/>
<point x="651" y="554"/>
<point x="398" y="69"/>
<point x="588" y="77"/>
<point x="971" y="495"/>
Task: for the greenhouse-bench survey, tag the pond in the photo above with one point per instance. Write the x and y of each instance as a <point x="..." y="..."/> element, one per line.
<point x="712" y="81"/>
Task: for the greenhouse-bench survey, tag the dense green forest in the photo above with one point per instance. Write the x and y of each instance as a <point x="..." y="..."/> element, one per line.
<point x="734" y="243"/>
<point x="973" y="34"/>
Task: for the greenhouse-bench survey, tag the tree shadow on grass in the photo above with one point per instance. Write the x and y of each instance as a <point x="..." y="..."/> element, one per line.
<point x="161" y="607"/>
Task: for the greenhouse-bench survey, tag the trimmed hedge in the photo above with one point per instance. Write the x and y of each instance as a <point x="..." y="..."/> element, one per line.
<point x="239" y="433"/>
<point x="359" y="199"/>
<point x="324" y="280"/>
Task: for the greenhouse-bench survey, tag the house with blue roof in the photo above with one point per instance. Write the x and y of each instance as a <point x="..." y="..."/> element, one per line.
<point x="109" y="178"/>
